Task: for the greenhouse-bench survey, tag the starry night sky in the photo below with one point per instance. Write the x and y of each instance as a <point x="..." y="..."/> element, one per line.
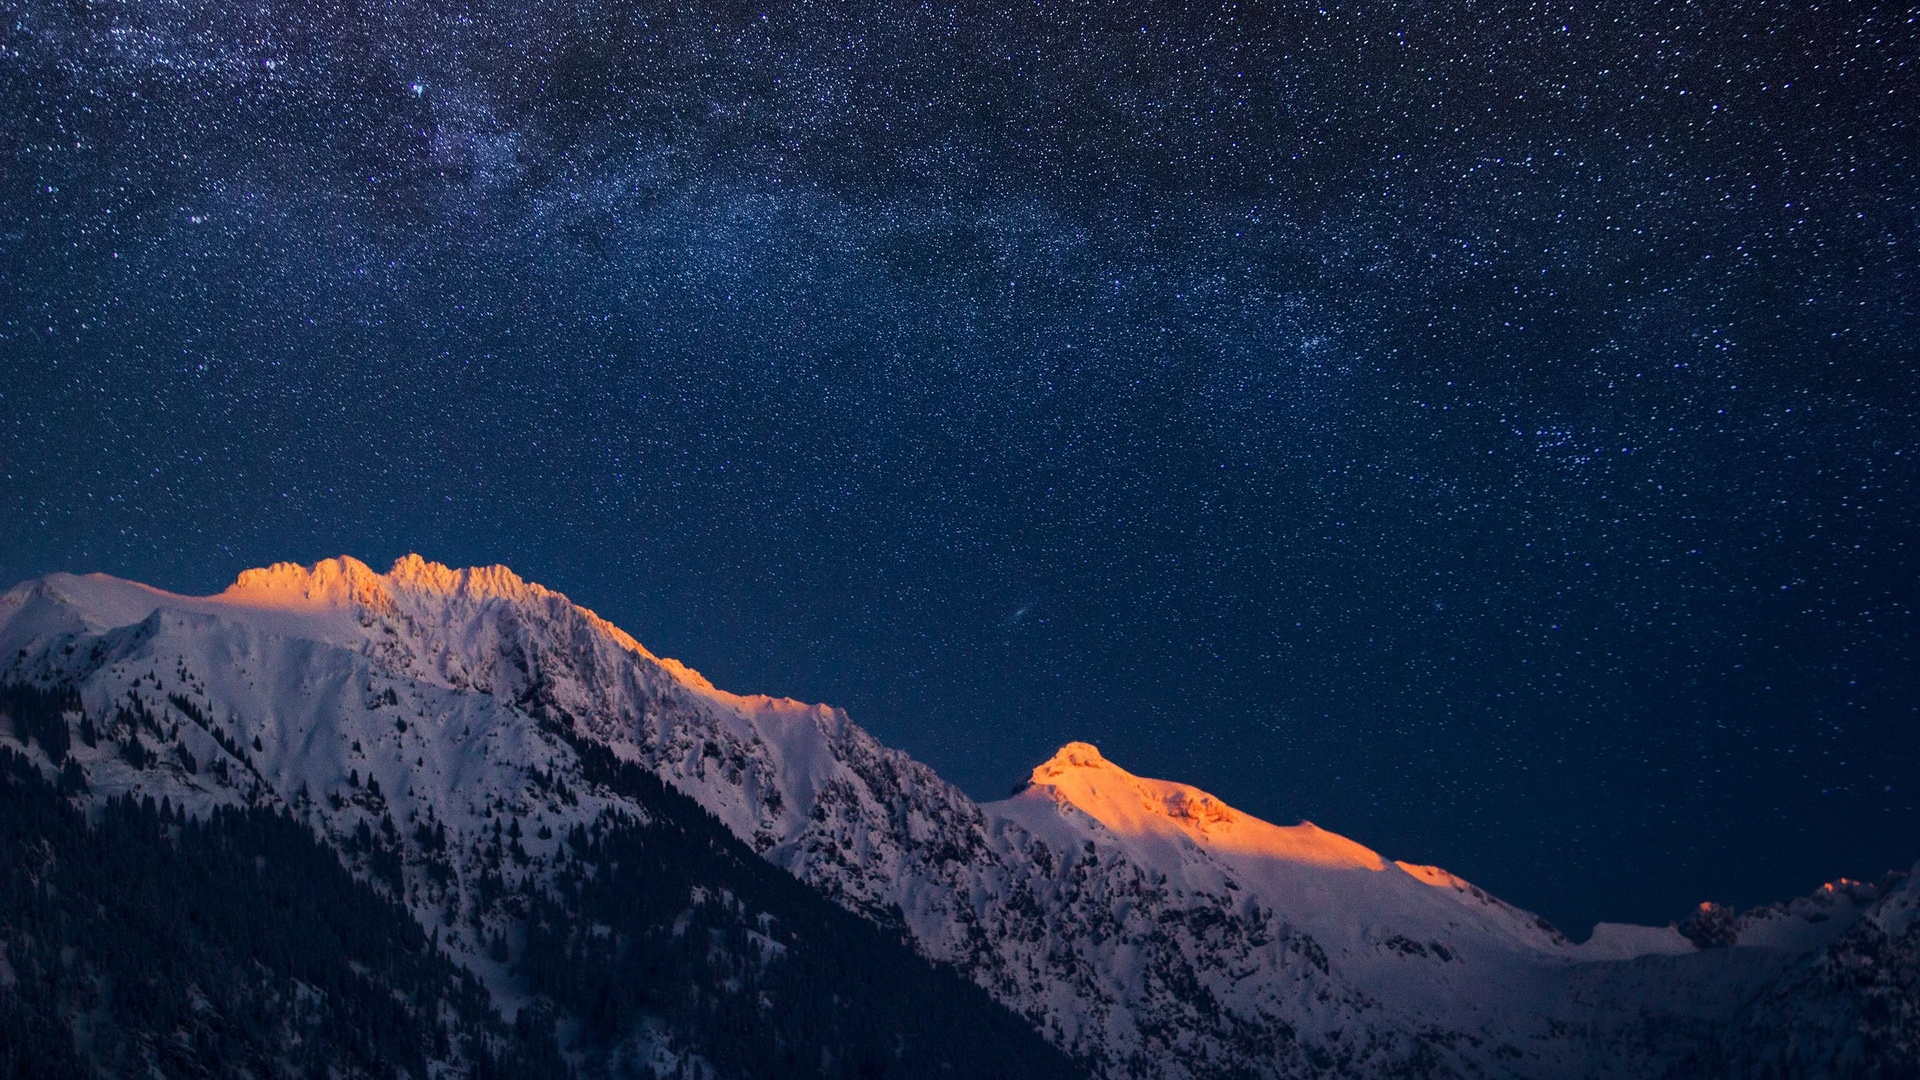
<point x="1488" y="430"/>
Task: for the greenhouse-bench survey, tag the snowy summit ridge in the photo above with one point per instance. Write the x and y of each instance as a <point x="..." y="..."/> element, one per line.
<point x="1143" y="925"/>
<point x="346" y="583"/>
<point x="1128" y="805"/>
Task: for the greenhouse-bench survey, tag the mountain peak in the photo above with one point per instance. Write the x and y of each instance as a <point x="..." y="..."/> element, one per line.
<point x="345" y="579"/>
<point x="1077" y="775"/>
<point x="483" y="582"/>
<point x="329" y="581"/>
<point x="345" y="582"/>
<point x="1071" y="756"/>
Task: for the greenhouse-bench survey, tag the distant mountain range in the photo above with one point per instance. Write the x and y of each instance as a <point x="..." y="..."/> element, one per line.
<point x="431" y="822"/>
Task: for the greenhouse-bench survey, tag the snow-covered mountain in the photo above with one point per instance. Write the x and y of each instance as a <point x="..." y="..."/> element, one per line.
<point x="1142" y="925"/>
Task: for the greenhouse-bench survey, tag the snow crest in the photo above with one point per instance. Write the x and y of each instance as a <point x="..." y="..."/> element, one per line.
<point x="1142" y="924"/>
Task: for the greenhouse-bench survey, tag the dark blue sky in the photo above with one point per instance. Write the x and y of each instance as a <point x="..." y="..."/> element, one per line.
<point x="1488" y="430"/>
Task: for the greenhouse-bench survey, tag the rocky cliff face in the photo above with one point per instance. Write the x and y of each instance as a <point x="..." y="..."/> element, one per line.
<point x="1140" y="924"/>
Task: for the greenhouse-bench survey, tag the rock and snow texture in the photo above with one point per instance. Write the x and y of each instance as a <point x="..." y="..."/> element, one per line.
<point x="1142" y="924"/>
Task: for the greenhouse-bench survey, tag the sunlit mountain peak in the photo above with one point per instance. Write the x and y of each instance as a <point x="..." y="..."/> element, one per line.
<point x="1128" y="805"/>
<point x="346" y="579"/>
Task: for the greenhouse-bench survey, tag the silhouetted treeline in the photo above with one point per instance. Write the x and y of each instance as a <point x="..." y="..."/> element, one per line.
<point x="152" y="943"/>
<point x="39" y="715"/>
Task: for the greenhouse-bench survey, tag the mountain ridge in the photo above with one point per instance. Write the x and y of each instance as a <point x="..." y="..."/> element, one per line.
<point x="1075" y="773"/>
<point x="1142" y="925"/>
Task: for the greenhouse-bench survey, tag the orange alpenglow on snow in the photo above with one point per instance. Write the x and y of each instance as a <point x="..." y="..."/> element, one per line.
<point x="289" y="585"/>
<point x="1132" y="805"/>
<point x="340" y="583"/>
<point x="1435" y="876"/>
<point x="347" y="579"/>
